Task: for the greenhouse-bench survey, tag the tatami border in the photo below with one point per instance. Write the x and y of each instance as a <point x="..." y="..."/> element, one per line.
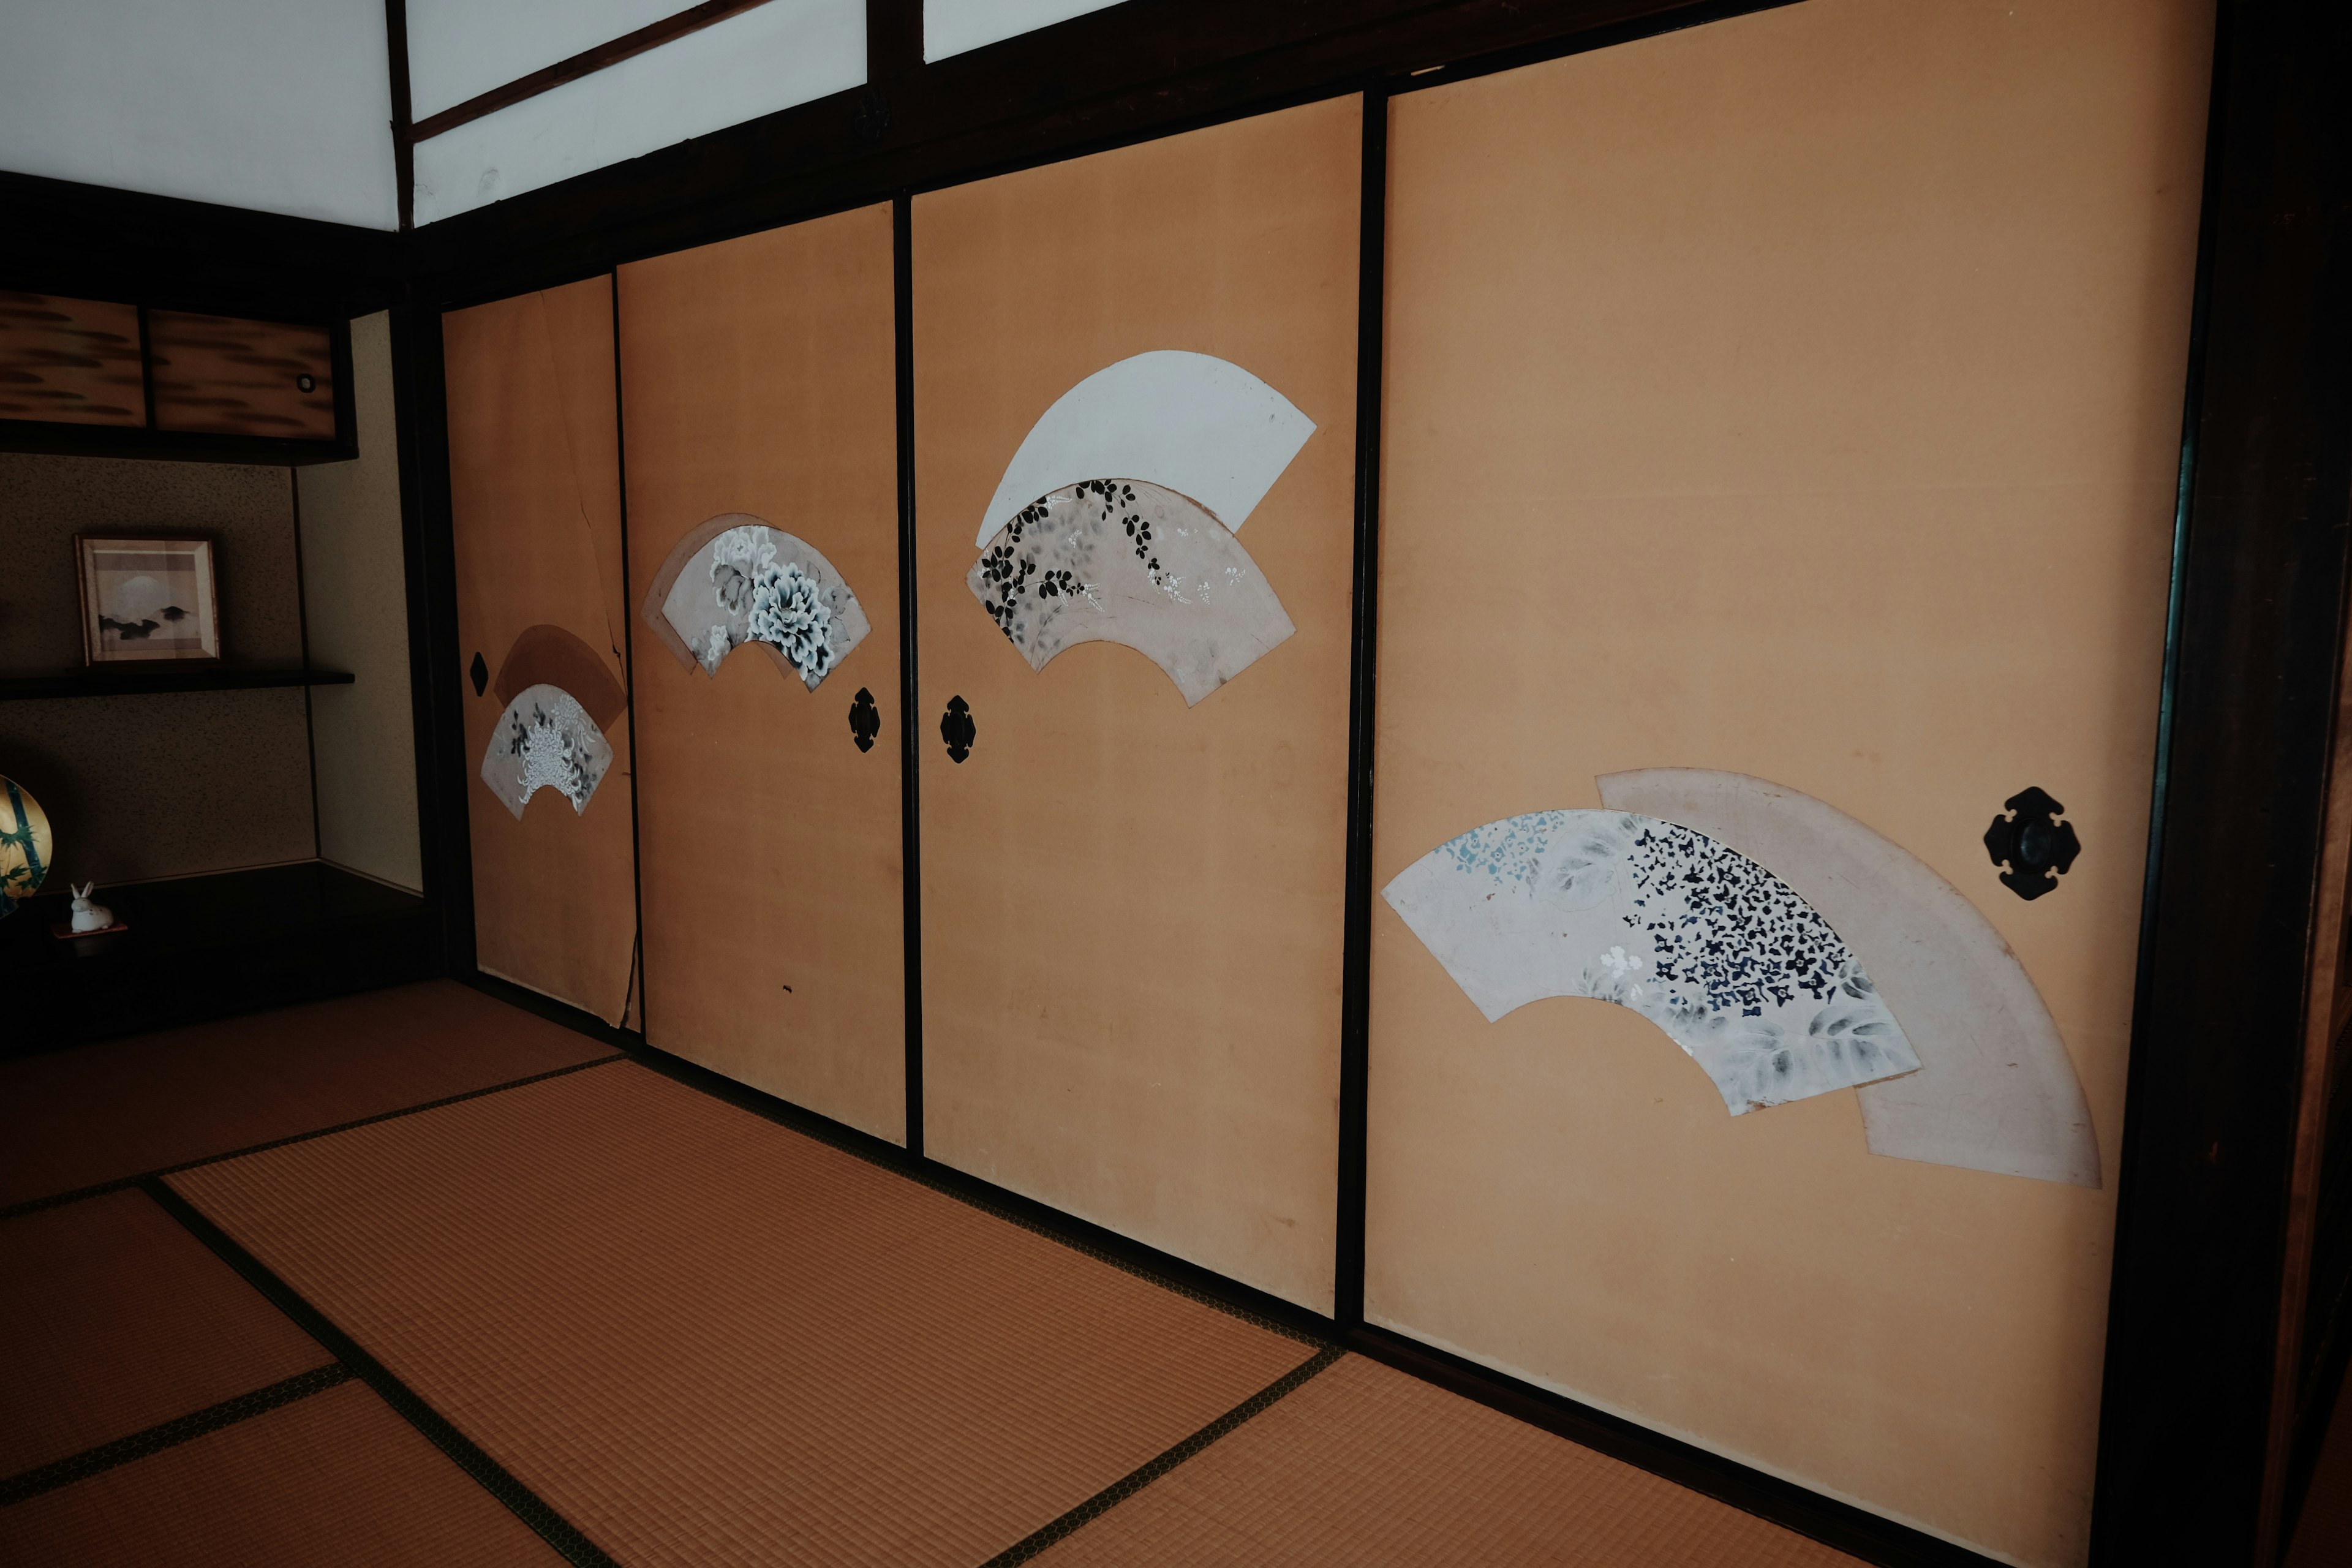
<point x="1135" y="1480"/>
<point x="99" y="1189"/>
<point x="170" y="1434"/>
<point x="495" y="1478"/>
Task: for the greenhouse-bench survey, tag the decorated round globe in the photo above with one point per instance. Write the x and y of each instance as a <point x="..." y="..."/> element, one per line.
<point x="26" y="847"/>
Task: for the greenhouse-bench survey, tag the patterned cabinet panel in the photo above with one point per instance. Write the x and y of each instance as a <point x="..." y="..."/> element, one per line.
<point x="221" y="376"/>
<point x="70" y="361"/>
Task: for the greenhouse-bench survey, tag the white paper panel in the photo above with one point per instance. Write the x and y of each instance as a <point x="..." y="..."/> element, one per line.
<point x="1203" y="426"/>
<point x="767" y="58"/>
<point x="951" y="27"/>
<point x="459" y="49"/>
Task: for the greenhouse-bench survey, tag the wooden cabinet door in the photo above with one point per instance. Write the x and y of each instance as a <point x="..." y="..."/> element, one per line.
<point x="535" y="498"/>
<point x="758" y="391"/>
<point x="1794" y="400"/>
<point x="1131" y="902"/>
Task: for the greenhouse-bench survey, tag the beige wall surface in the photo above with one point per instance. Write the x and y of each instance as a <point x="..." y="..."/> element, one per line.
<point x="1797" y="395"/>
<point x="171" y="784"/>
<point x="1131" y="908"/>
<point x="534" y="481"/>
<point x="759" y="377"/>
<point x="355" y="594"/>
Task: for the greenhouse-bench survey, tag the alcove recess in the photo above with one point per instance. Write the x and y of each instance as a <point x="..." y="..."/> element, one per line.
<point x="253" y="821"/>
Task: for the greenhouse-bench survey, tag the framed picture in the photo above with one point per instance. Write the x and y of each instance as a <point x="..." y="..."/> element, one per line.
<point x="145" y="599"/>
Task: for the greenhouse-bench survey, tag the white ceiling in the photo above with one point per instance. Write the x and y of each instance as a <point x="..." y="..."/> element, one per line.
<point x="283" y="106"/>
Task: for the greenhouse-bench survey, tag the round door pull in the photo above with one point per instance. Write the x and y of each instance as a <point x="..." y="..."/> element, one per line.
<point x="957" y="729"/>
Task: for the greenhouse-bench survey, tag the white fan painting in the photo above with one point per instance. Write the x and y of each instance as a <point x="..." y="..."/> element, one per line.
<point x="1114" y="520"/>
<point x="1788" y="949"/>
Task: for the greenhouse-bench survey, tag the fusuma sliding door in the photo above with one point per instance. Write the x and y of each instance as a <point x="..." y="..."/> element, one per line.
<point x="535" y="494"/>
<point x="760" y="403"/>
<point x="1133" y="856"/>
<point x="1782" y="419"/>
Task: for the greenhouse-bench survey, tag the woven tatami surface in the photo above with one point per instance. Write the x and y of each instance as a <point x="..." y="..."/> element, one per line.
<point x="77" y="1118"/>
<point x="113" y="1319"/>
<point x="705" y="1339"/>
<point x="1365" y="1466"/>
<point x="336" y="1478"/>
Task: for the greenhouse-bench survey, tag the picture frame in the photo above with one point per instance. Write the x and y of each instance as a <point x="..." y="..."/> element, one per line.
<point x="146" y="599"/>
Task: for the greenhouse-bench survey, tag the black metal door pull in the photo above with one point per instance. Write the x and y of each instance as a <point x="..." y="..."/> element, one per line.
<point x="957" y="729"/>
<point x="2037" y="846"/>
<point x="481" y="674"/>
<point x="865" y="719"/>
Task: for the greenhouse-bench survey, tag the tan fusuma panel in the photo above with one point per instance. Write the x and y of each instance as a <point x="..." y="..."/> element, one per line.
<point x="534" y="475"/>
<point x="758" y="383"/>
<point x="1131" y="904"/>
<point x="1798" y="397"/>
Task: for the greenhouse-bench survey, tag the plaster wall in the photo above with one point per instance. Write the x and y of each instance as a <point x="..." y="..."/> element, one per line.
<point x="354" y="583"/>
<point x="170" y="783"/>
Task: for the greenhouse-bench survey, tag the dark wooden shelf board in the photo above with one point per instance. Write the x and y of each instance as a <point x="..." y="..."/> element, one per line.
<point x="172" y="445"/>
<point x="127" y="683"/>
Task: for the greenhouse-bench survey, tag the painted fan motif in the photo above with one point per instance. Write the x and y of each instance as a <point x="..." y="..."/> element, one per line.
<point x="736" y="581"/>
<point x="560" y="698"/>
<point x="1125" y="561"/>
<point x="1743" y="975"/>
<point x="1114" y="520"/>
<point x="545" y="739"/>
<point x="1996" y="1090"/>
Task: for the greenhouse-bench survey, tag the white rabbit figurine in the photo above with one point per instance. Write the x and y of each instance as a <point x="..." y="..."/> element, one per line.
<point x="86" y="916"/>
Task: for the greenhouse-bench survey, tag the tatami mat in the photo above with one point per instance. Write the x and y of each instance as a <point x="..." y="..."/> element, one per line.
<point x="1365" y="1466"/>
<point x="705" y="1339"/>
<point x="77" y="1118"/>
<point x="113" y="1319"/>
<point x="334" y="1478"/>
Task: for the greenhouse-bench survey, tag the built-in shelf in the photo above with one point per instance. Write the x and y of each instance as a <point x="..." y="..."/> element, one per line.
<point x="120" y="681"/>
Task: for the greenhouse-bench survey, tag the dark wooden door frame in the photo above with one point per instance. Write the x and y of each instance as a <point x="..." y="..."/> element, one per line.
<point x="2240" y="788"/>
<point x="2259" y="591"/>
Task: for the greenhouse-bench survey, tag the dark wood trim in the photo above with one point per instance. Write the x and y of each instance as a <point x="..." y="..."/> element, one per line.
<point x="404" y="135"/>
<point x="1364" y="655"/>
<point x="911" y="712"/>
<point x="435" y="658"/>
<point x="894" y="42"/>
<point x="176" y="445"/>
<point x="161" y="676"/>
<point x="2210" y="1103"/>
<point x="92" y="242"/>
<point x="629" y="671"/>
<point x="587" y="62"/>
